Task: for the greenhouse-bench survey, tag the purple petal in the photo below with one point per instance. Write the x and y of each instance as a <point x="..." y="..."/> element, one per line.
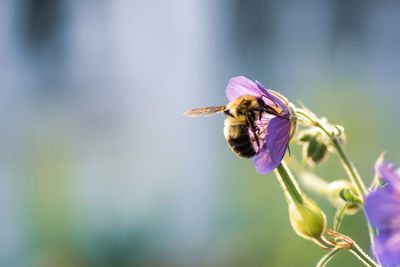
<point x="387" y="249"/>
<point x="271" y="154"/>
<point x="388" y="173"/>
<point x="276" y="100"/>
<point x="240" y="86"/>
<point x="383" y="208"/>
<point x="278" y="137"/>
<point x="263" y="161"/>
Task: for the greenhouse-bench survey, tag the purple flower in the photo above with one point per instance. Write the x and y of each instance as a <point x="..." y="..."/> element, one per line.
<point x="275" y="131"/>
<point x="383" y="210"/>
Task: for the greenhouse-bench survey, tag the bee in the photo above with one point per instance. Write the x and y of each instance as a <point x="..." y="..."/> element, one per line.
<point x="240" y="128"/>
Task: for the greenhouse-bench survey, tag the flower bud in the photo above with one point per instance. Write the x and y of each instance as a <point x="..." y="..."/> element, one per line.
<point x="305" y="136"/>
<point x="316" y="151"/>
<point x="315" y="146"/>
<point x="307" y="219"/>
<point x="342" y="191"/>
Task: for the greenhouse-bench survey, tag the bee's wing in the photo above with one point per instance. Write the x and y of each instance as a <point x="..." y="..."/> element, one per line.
<point x="204" y="111"/>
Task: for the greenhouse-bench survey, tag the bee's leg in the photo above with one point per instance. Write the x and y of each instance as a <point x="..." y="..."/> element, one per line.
<point x="250" y="121"/>
<point x="270" y="98"/>
<point x="260" y="110"/>
<point x="267" y="108"/>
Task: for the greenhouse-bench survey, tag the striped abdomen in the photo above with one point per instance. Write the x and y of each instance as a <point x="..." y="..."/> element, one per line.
<point x="238" y="139"/>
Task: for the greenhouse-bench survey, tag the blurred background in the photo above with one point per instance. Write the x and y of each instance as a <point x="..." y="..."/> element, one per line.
<point x="100" y="168"/>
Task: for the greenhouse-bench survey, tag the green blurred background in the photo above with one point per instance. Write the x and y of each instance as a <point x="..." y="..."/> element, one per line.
<point x="100" y="168"/>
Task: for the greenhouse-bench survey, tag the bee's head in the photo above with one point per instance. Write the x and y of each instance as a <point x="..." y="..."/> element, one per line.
<point x="248" y="102"/>
<point x="242" y="105"/>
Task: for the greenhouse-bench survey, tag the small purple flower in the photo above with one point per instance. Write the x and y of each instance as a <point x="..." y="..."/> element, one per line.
<point x="275" y="131"/>
<point x="383" y="210"/>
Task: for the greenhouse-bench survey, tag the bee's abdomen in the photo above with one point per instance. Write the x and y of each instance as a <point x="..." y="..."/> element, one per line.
<point x="240" y="143"/>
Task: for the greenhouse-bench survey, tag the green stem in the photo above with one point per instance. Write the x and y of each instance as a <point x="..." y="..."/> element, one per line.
<point x="371" y="233"/>
<point x="361" y="255"/>
<point x="288" y="183"/>
<point x="349" y="166"/>
<point x="324" y="260"/>
<point x="338" y="217"/>
<point x="358" y="182"/>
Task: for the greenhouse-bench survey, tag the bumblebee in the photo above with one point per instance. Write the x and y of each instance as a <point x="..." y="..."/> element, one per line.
<point x="240" y="129"/>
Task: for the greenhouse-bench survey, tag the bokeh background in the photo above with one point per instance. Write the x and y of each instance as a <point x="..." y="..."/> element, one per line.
<point x="100" y="168"/>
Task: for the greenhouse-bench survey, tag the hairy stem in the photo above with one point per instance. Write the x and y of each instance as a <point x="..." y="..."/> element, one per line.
<point x="348" y="165"/>
<point x="288" y="183"/>
<point x="325" y="259"/>
<point x="338" y="217"/>
<point x="362" y="256"/>
<point x="350" y="168"/>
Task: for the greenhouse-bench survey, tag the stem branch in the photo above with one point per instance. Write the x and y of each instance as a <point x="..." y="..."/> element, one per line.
<point x="338" y="217"/>
<point x="361" y="255"/>
<point x="349" y="166"/>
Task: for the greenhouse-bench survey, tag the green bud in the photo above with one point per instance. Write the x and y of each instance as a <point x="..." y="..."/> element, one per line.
<point x="320" y="155"/>
<point x="343" y="191"/>
<point x="312" y="146"/>
<point x="307" y="219"/>
<point x="305" y="136"/>
<point x="315" y="146"/>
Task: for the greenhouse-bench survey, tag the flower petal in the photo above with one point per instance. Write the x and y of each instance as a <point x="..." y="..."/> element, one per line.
<point x="387" y="249"/>
<point x="272" y="152"/>
<point x="240" y="86"/>
<point x="278" y="137"/>
<point x="276" y="100"/>
<point x="389" y="174"/>
<point x="383" y="208"/>
<point x="263" y="161"/>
